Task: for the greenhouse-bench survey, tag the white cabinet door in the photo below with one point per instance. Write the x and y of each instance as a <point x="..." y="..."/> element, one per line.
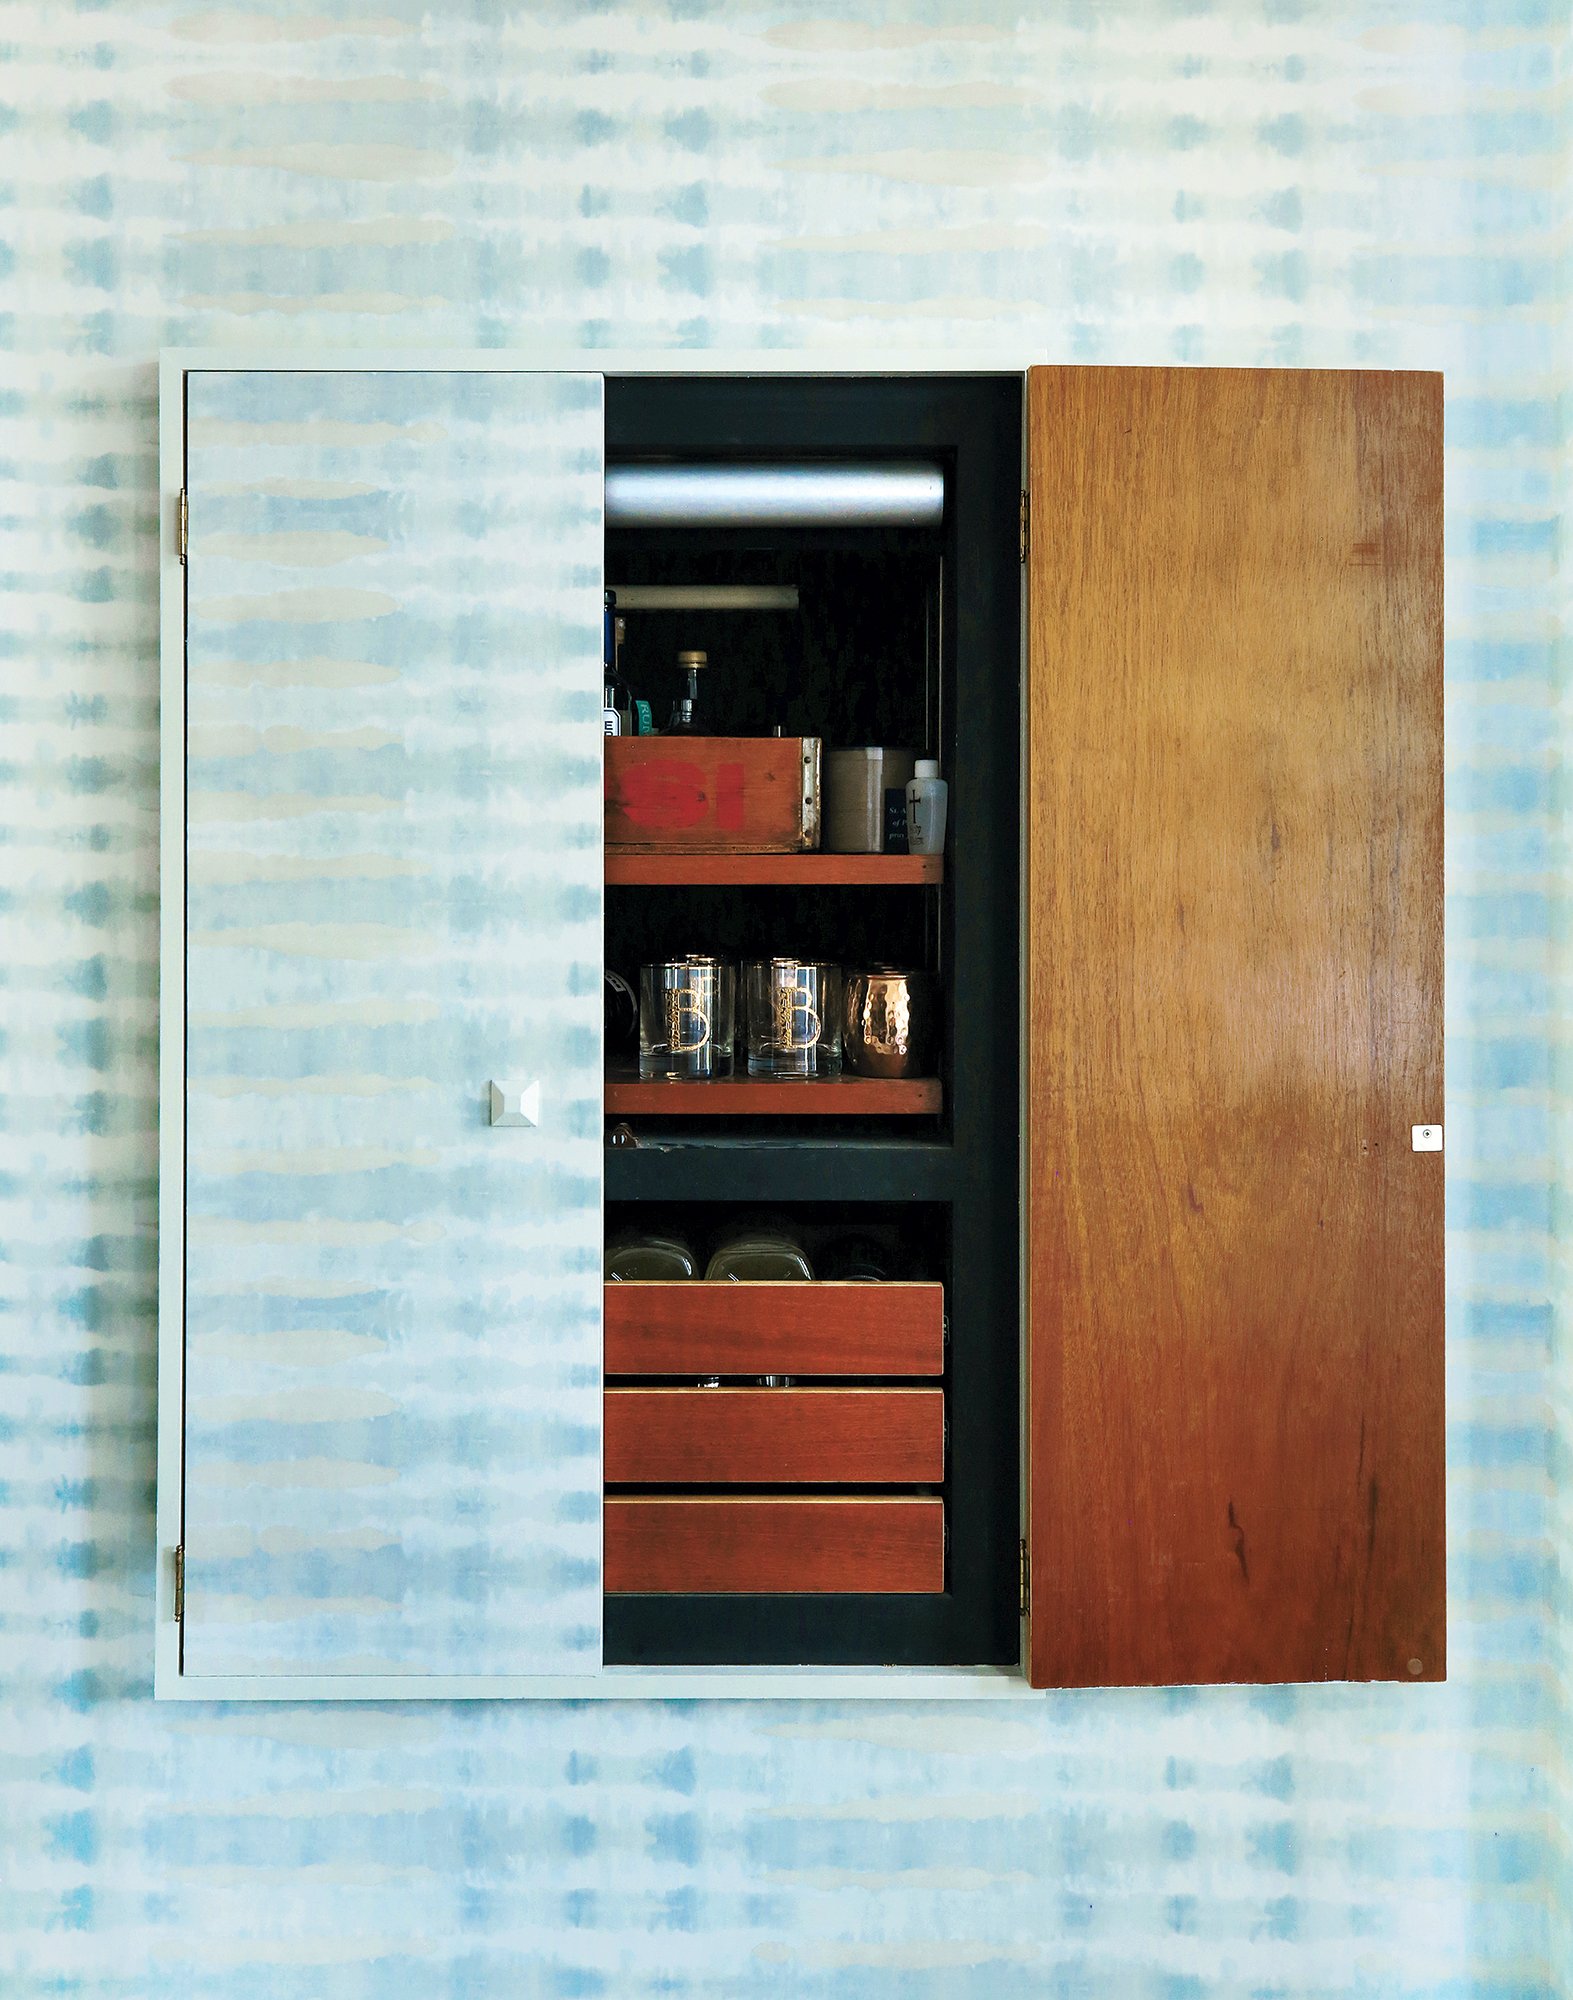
<point x="392" y="1307"/>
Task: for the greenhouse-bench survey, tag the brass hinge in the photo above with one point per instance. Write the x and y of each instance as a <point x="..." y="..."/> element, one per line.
<point x="183" y="523"/>
<point x="1026" y="1579"/>
<point x="1025" y="524"/>
<point x="180" y="1585"/>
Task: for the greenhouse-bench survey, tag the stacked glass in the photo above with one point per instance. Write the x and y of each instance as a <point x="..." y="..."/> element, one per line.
<point x="793" y="1009"/>
<point x="687" y="1008"/>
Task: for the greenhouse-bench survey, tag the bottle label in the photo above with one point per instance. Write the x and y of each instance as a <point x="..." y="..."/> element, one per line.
<point x="896" y="820"/>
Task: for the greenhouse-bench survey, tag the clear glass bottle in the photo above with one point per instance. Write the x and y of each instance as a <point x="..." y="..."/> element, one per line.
<point x="683" y="720"/>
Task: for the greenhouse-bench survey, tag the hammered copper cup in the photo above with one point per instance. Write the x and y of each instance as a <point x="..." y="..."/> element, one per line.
<point x="890" y="1022"/>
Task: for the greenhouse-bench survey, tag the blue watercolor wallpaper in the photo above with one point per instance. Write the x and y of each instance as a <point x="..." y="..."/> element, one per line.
<point x="1249" y="181"/>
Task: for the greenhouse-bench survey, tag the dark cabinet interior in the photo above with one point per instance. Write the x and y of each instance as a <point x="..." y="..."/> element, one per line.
<point x="844" y="1488"/>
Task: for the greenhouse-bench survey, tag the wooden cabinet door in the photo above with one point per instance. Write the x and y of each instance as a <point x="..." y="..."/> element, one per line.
<point x="392" y="898"/>
<point x="1234" y="1020"/>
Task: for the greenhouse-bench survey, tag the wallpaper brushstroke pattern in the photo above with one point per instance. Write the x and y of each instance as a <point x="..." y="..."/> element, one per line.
<point x="393" y="726"/>
<point x="1374" y="182"/>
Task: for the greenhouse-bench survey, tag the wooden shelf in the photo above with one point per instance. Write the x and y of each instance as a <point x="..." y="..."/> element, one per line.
<point x="691" y="1161"/>
<point x="629" y="1095"/>
<point x="673" y="868"/>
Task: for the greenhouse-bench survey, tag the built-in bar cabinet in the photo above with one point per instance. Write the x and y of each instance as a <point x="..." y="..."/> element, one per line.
<point x="1101" y="1345"/>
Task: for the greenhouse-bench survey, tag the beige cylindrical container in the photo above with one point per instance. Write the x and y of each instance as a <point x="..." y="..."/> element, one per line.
<point x="855" y="785"/>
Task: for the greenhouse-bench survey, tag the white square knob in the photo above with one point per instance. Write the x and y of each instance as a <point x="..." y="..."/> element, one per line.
<point x="516" y="1103"/>
<point x="1426" y="1138"/>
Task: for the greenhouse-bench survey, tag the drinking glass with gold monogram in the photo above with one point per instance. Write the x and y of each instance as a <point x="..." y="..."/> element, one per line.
<point x="793" y="1012"/>
<point x="686" y="1012"/>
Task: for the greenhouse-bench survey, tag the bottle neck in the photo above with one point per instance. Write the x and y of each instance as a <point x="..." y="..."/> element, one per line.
<point x="682" y="721"/>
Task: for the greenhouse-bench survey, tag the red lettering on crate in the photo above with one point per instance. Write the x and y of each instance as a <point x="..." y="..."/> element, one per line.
<point x="668" y="794"/>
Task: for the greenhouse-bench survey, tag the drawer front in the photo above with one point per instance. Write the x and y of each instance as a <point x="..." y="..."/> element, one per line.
<point x="716" y="1437"/>
<point x="720" y="1546"/>
<point x="804" y="1329"/>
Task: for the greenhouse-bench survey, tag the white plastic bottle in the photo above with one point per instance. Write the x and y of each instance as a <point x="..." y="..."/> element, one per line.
<point x="927" y="795"/>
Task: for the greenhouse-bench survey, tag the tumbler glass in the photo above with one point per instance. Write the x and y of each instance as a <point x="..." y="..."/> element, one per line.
<point x="794" y="1017"/>
<point x="686" y="1010"/>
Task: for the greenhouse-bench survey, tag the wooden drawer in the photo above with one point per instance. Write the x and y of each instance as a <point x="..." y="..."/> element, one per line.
<point x="718" y="1437"/>
<point x="816" y="1329"/>
<point x="774" y="1546"/>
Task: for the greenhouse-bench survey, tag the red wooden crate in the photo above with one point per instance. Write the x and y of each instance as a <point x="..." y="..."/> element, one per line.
<point x="716" y="794"/>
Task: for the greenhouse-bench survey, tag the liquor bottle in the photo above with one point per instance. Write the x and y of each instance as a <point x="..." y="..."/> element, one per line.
<point x="682" y="721"/>
<point x="616" y="703"/>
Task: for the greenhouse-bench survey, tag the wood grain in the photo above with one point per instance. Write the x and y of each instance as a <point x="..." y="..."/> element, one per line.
<point x="666" y="868"/>
<point x="752" y="1329"/>
<point x="770" y="1546"/>
<point x="734" y="793"/>
<point x="762" y="1437"/>
<point x="629" y="1095"/>
<point x="1235" y="1017"/>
